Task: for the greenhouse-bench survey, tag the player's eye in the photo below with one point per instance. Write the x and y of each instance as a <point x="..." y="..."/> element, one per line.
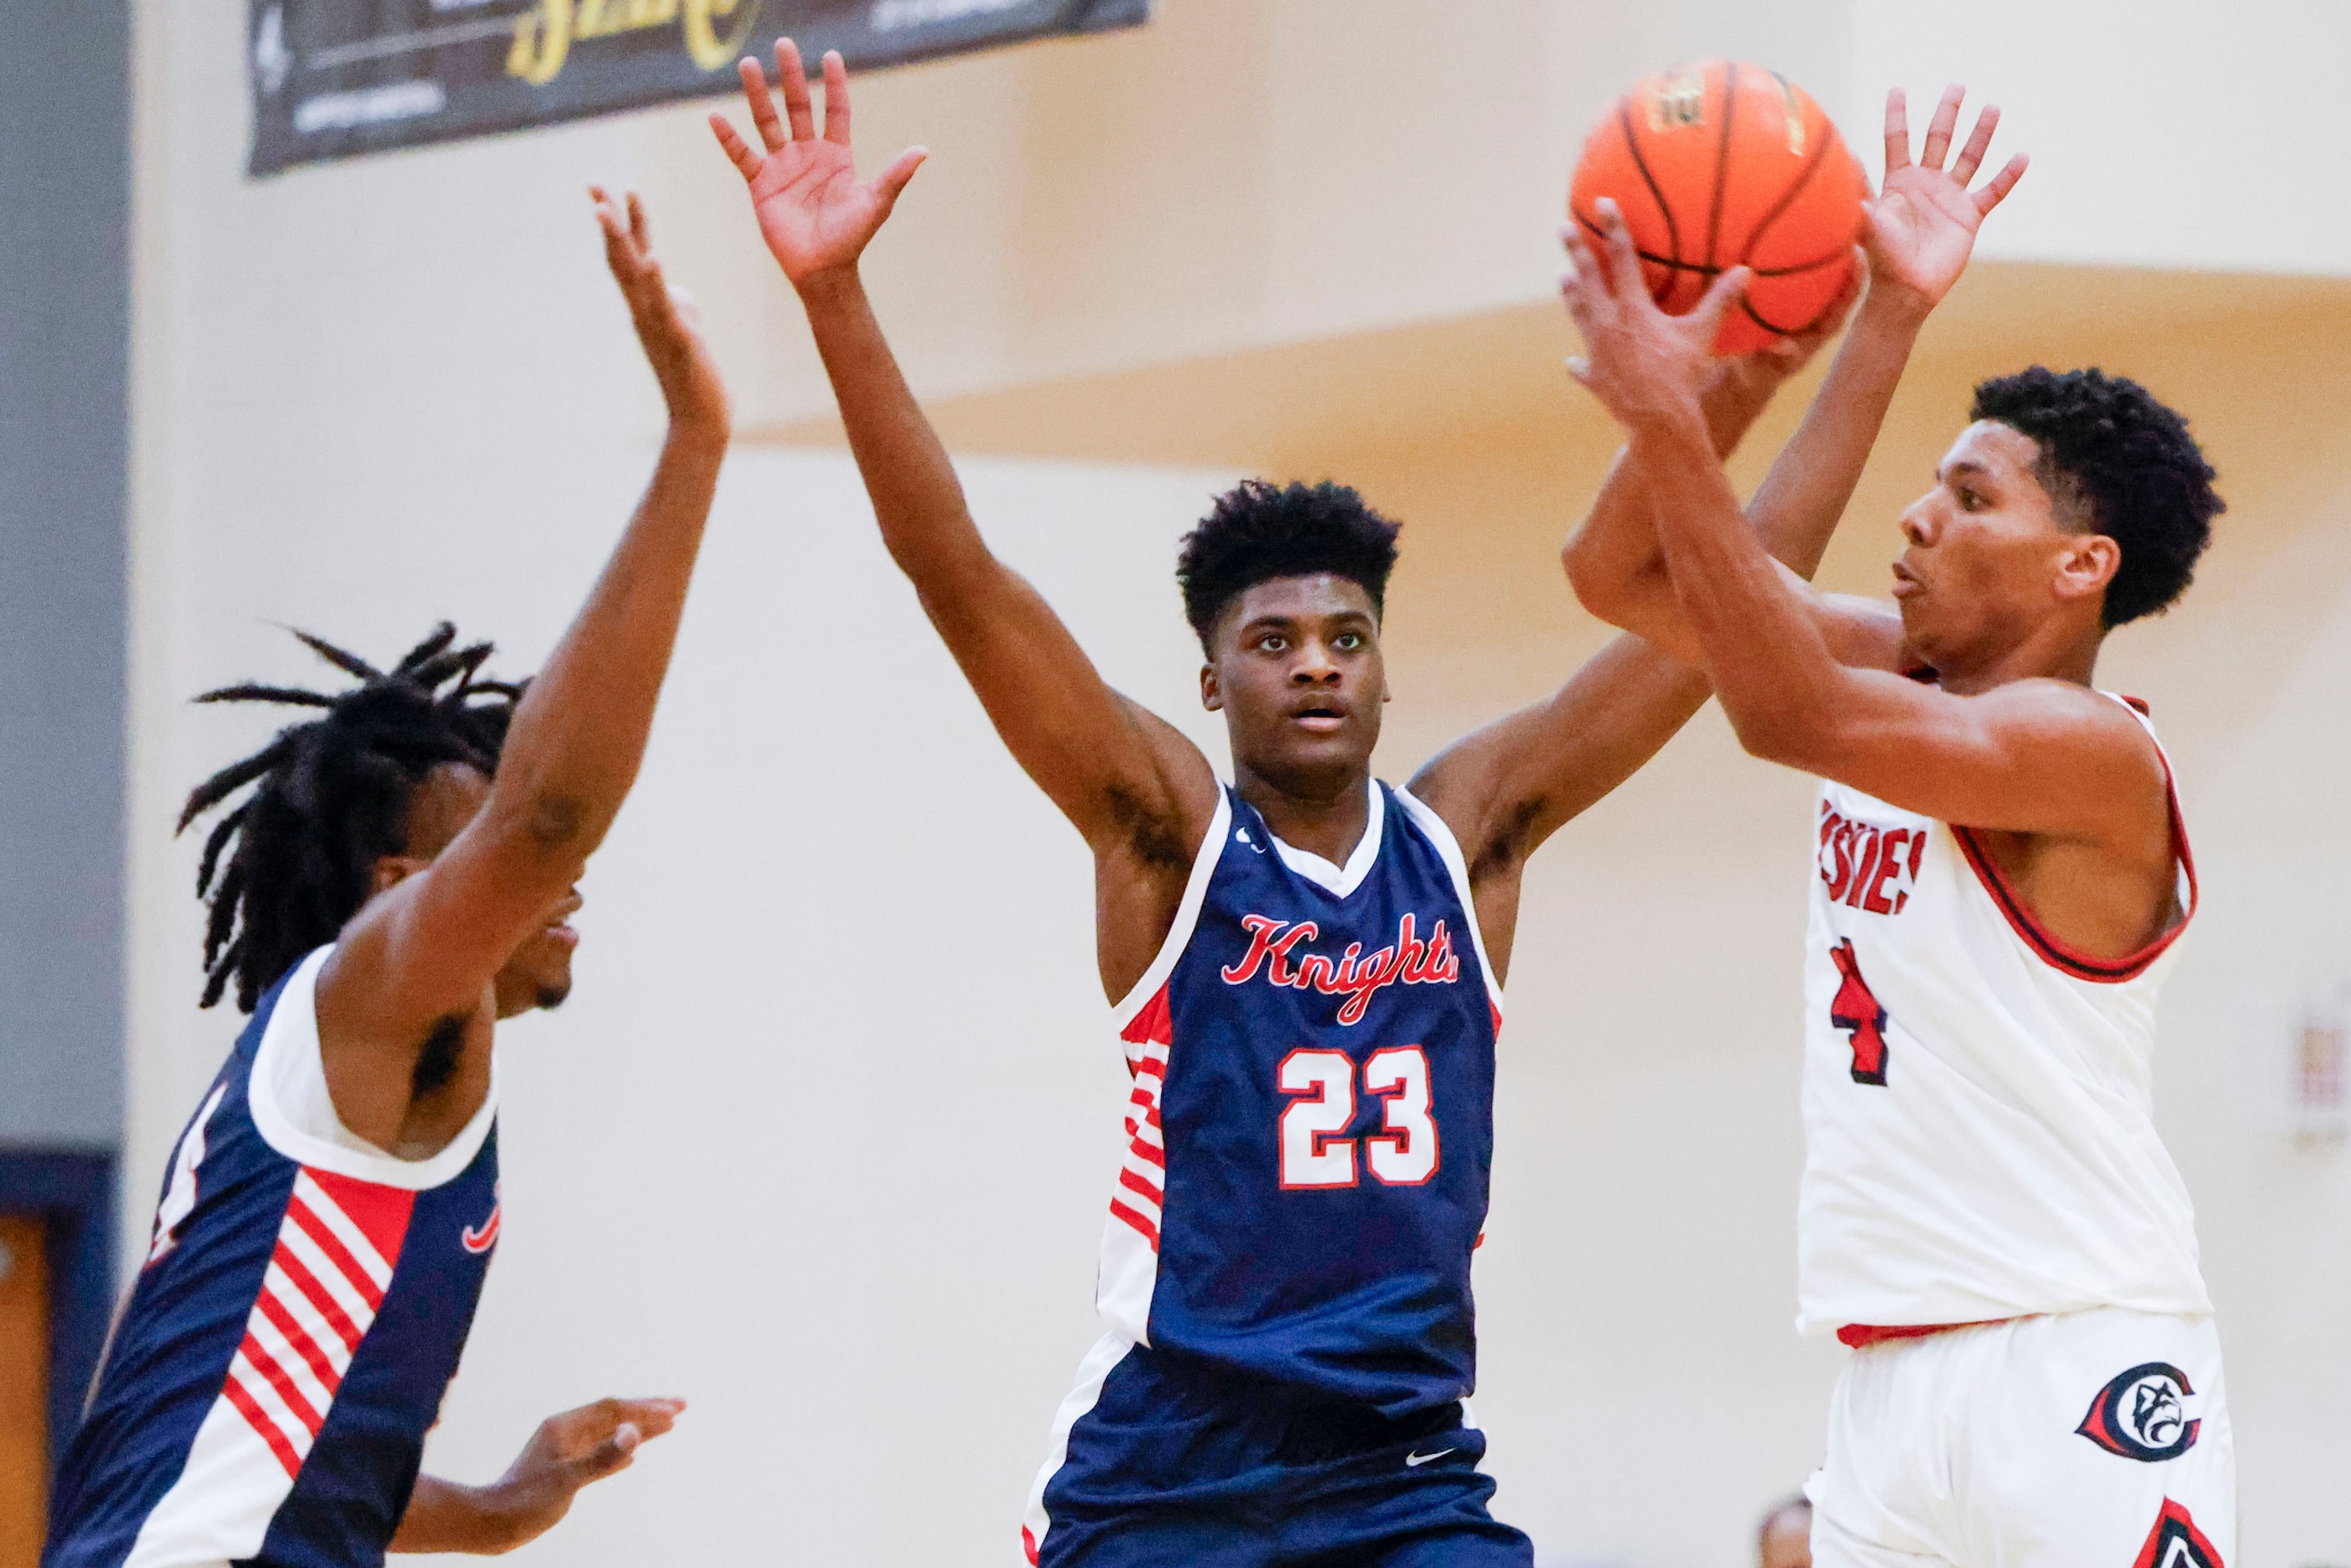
<point x="1348" y="642"/>
<point x="1273" y="642"/>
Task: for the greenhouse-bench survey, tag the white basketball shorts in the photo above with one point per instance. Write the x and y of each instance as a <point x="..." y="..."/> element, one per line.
<point x="2092" y="1440"/>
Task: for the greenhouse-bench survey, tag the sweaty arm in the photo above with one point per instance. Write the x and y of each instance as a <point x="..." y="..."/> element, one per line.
<point x="423" y="955"/>
<point x="1140" y="792"/>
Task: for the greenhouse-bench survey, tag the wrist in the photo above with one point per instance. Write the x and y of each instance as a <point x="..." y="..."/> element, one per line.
<point x="1893" y="307"/>
<point x="829" y="290"/>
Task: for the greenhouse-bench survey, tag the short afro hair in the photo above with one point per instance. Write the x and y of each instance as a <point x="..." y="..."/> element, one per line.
<point x="1258" y="531"/>
<point x="2125" y="466"/>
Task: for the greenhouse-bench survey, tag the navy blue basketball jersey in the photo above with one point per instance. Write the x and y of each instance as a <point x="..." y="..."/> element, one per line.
<point x="1311" y="1120"/>
<point x="285" y="1347"/>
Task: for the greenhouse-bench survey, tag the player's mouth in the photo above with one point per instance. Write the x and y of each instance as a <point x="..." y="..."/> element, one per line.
<point x="559" y="926"/>
<point x="1906" y="582"/>
<point x="1325" y="716"/>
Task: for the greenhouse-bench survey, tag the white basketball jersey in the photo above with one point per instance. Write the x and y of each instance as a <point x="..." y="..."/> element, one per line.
<point x="1979" y="1136"/>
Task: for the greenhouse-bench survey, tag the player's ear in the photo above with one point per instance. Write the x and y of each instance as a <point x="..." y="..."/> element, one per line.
<point x="390" y="871"/>
<point x="1212" y="696"/>
<point x="2085" y="565"/>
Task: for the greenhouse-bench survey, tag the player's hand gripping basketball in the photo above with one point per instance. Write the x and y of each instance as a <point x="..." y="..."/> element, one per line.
<point x="1640" y="362"/>
<point x="813" y="211"/>
<point x="668" y="325"/>
<point x="1922" y="226"/>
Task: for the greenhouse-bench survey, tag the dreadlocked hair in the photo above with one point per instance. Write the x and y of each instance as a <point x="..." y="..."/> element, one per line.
<point x="285" y="868"/>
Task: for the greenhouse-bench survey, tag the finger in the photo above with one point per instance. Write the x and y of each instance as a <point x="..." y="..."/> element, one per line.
<point x="797" y="106"/>
<point x="1972" y="156"/>
<point x="763" y="105"/>
<point x="1897" y="130"/>
<point x="892" y="179"/>
<point x="1708" y="318"/>
<point x="651" y="1417"/>
<point x="639" y="230"/>
<point x="619" y="254"/>
<point x="1939" y="129"/>
<point x="738" y="151"/>
<point x="1584" y="260"/>
<point x="1996" y="189"/>
<point x="612" y="1455"/>
<point x="1580" y="370"/>
<point x="1624" y="261"/>
<point x="836" y="98"/>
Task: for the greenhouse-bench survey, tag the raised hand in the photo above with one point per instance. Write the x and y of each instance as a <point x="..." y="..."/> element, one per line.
<point x="668" y="325"/>
<point x="1639" y="361"/>
<point x="814" y="213"/>
<point x="1922" y="226"/>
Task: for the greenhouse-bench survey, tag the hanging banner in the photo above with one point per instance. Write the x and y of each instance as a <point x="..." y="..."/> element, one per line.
<point x="334" y="78"/>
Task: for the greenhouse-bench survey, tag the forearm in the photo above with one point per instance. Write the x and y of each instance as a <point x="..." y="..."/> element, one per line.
<point x="1796" y="508"/>
<point x="444" y="1516"/>
<point x="1770" y="666"/>
<point x="918" y="501"/>
<point x="578" y="735"/>
<point x="1612" y="557"/>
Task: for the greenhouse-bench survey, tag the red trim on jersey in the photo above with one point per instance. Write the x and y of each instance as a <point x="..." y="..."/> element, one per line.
<point x="265" y="1428"/>
<point x="1152" y="1024"/>
<point x="1029" y="1544"/>
<point x="1861" y="1336"/>
<point x="2054" y="950"/>
<point x="1148" y="1231"/>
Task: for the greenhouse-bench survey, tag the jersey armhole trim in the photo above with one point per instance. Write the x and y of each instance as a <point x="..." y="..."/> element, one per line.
<point x="2054" y="950"/>
<point x="1448" y="850"/>
<point x="294" y="1025"/>
<point x="1187" y="914"/>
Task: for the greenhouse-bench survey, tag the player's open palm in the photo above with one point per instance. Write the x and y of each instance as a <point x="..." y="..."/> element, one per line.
<point x="1922" y="226"/>
<point x="814" y="212"/>
<point x="668" y="326"/>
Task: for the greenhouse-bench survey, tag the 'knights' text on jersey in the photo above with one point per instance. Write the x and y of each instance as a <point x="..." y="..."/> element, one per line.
<point x="1311" y="1120"/>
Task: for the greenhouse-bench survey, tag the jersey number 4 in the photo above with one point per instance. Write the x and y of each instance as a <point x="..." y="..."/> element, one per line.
<point x="1854" y="1009"/>
<point x="1316" y="1150"/>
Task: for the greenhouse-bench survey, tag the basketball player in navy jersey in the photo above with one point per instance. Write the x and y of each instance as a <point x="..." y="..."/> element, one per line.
<point x="1987" y="1216"/>
<point x="1310" y="962"/>
<point x="400" y="878"/>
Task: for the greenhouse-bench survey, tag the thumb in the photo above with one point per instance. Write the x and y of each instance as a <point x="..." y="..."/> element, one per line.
<point x="1726" y="292"/>
<point x="614" y="1454"/>
<point x="892" y="179"/>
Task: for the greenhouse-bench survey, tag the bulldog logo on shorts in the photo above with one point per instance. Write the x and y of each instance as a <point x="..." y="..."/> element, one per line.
<point x="2143" y="1415"/>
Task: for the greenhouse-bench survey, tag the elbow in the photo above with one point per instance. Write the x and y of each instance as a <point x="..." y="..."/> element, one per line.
<point x="1593" y="587"/>
<point x="1790" y="734"/>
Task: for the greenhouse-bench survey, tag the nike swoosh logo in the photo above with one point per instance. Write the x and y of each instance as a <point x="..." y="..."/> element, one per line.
<point x="1415" y="1460"/>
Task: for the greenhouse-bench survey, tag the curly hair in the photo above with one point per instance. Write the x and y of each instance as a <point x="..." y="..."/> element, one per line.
<point x="2119" y="463"/>
<point x="1260" y="530"/>
<point x="330" y="797"/>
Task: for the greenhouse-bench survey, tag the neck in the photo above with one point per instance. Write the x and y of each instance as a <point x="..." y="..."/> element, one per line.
<point x="2069" y="657"/>
<point x="1323" y="818"/>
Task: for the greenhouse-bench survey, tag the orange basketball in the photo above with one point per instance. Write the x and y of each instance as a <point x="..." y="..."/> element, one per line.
<point x="1720" y="165"/>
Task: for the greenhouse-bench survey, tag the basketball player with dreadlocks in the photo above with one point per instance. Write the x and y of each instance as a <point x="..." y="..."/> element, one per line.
<point x="1310" y="963"/>
<point x="1988" y="1215"/>
<point x="400" y="878"/>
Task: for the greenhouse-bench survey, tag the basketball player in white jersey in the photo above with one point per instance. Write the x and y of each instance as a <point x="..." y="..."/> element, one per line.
<point x="1987" y="1215"/>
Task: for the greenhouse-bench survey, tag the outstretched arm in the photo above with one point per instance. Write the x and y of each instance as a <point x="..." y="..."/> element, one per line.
<point x="1130" y="782"/>
<point x="423" y="955"/>
<point x="1920" y="232"/>
<point x="2038" y="756"/>
<point x="568" y="1452"/>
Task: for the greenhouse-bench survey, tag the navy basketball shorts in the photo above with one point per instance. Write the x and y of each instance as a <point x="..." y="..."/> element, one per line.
<point x="1161" y="1462"/>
